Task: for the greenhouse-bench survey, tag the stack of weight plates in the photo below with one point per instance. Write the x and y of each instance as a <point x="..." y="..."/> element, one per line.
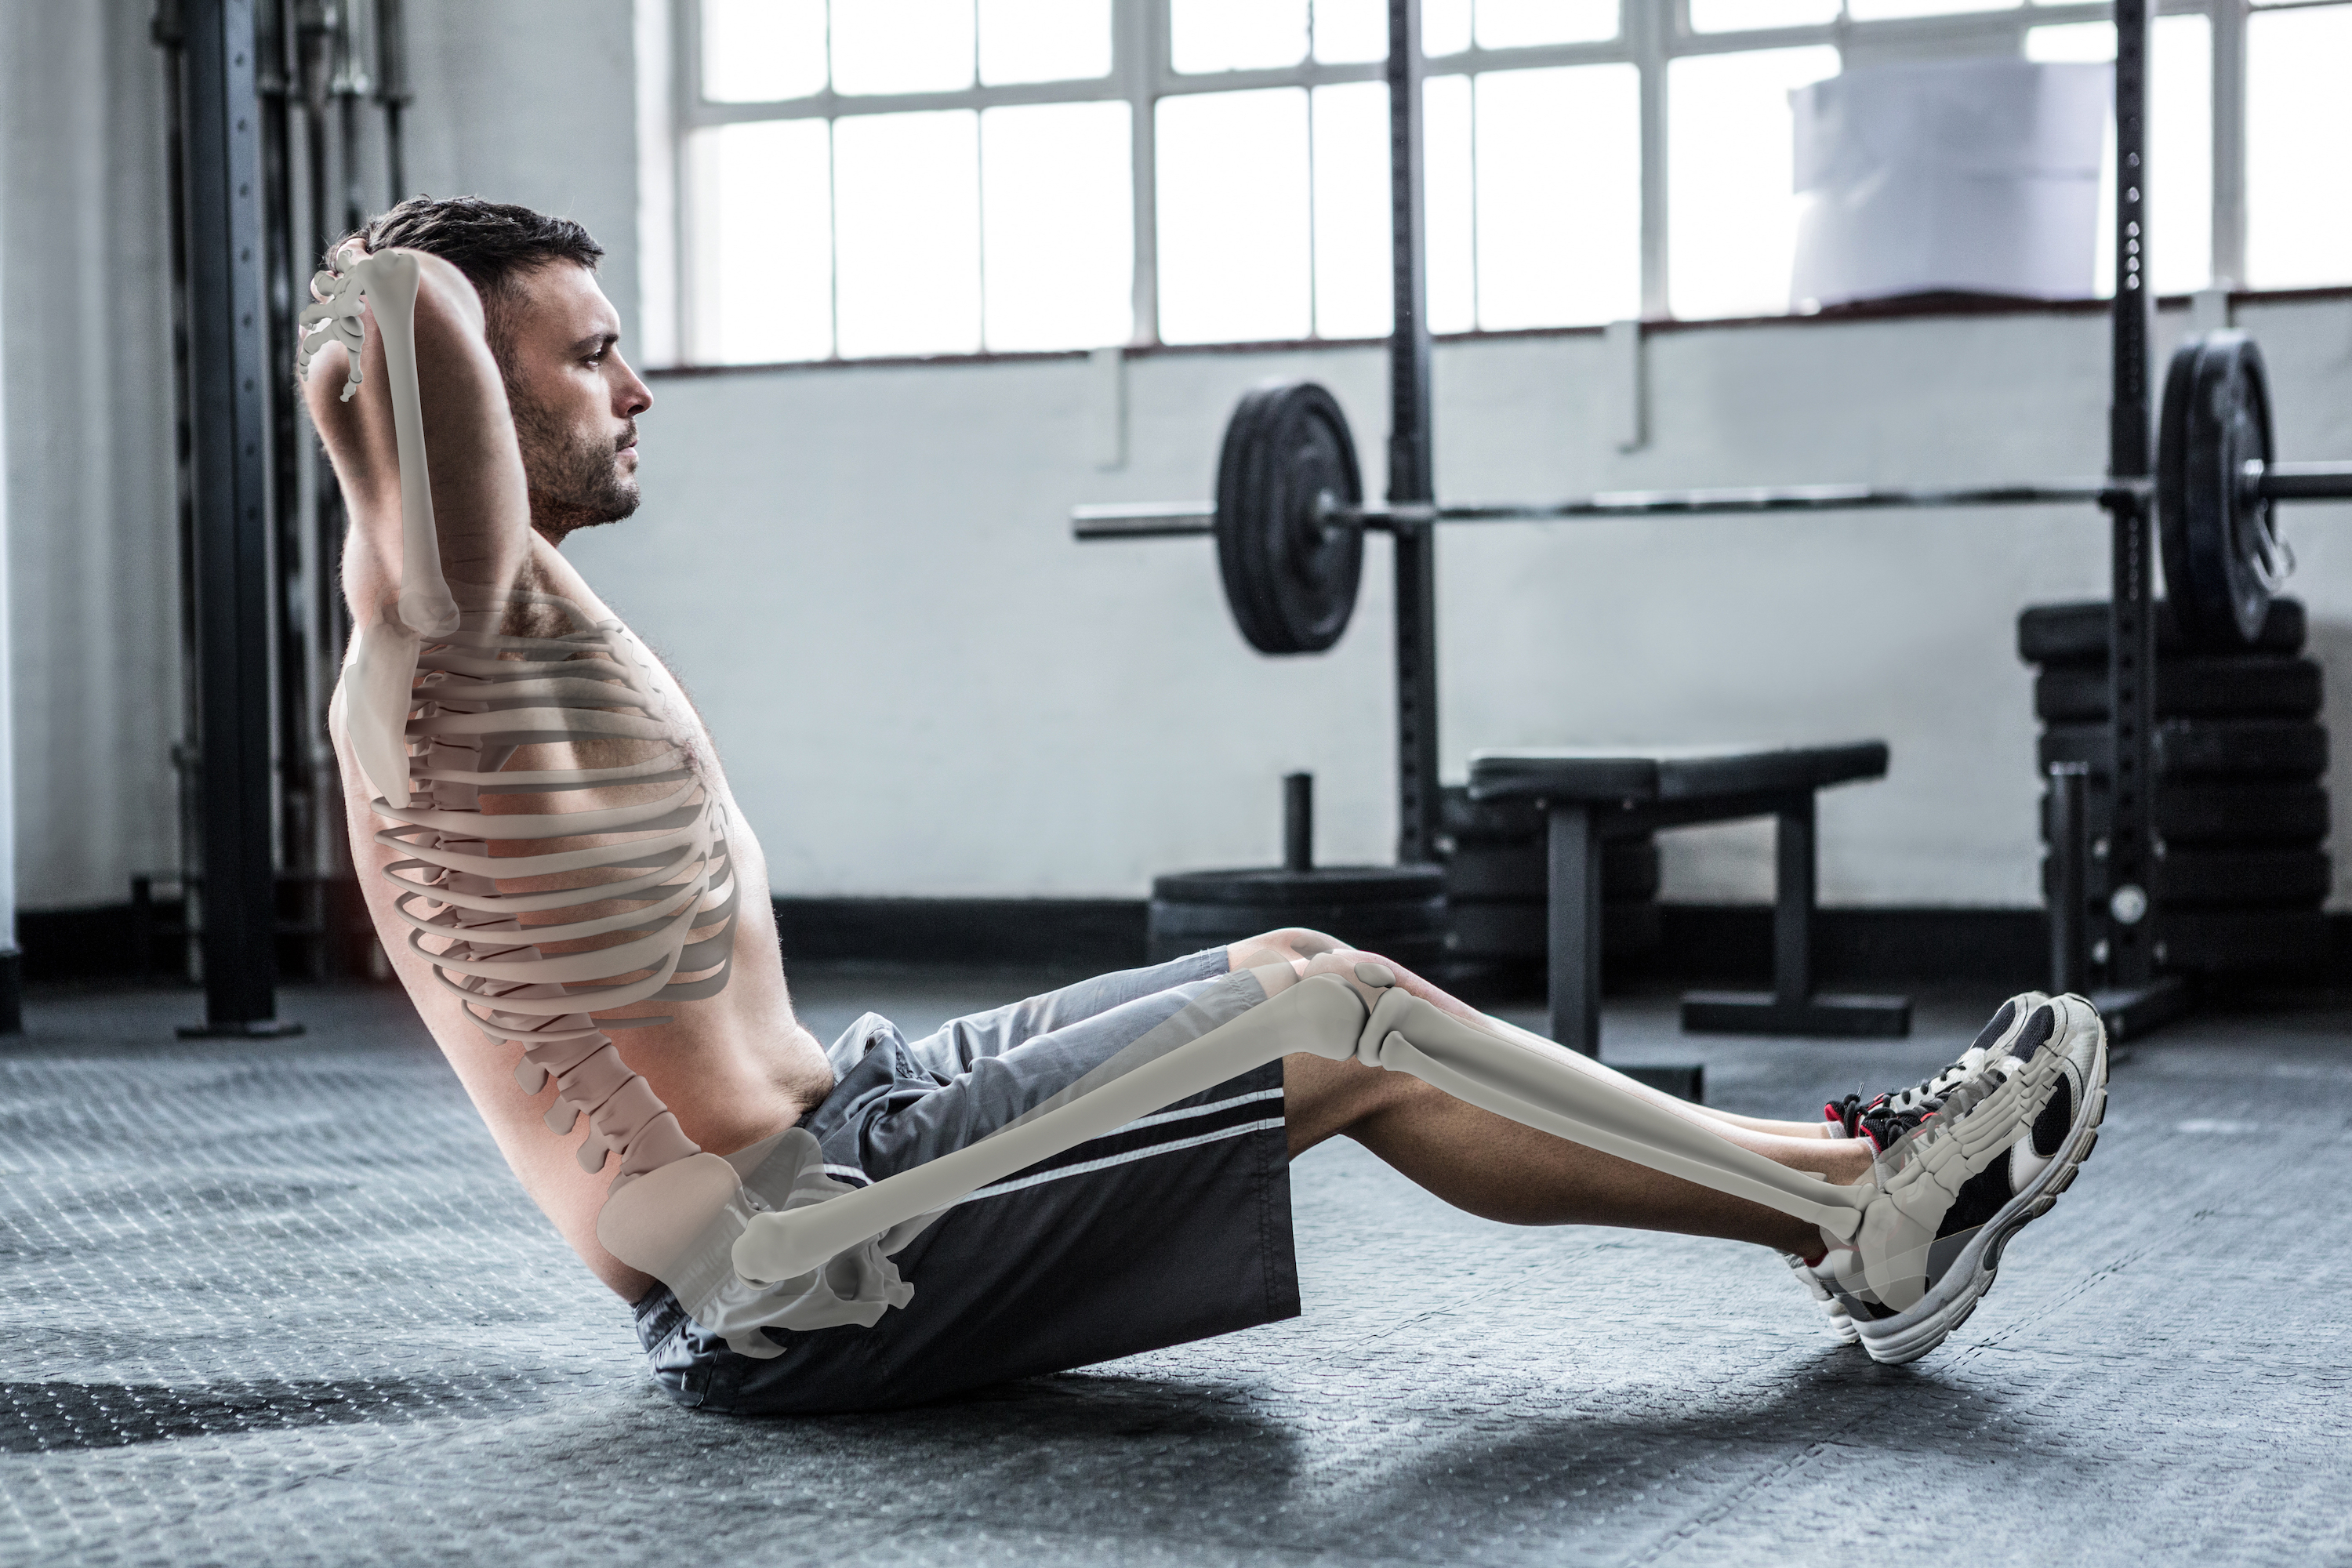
<point x="1396" y="910"/>
<point x="2241" y="813"/>
<point x="1495" y="892"/>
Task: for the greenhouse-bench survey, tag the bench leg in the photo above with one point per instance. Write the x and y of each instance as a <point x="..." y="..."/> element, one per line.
<point x="1793" y="1007"/>
<point x="1573" y="942"/>
<point x="1573" y="939"/>
<point x="1792" y="905"/>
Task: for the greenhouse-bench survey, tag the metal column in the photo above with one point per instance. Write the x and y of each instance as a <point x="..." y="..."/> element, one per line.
<point x="2136" y="1000"/>
<point x="1411" y="479"/>
<point x="228" y="400"/>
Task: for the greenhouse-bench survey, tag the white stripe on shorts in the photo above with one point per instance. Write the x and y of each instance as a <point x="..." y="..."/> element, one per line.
<point x="1086" y="1167"/>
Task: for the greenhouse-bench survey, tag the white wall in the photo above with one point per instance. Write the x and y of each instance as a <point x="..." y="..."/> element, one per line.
<point x="922" y="686"/>
<point x="522" y="100"/>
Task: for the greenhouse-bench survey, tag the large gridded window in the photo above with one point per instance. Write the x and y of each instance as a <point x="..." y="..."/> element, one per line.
<point x="865" y="178"/>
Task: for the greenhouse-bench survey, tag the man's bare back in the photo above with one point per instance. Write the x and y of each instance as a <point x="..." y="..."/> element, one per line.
<point x="734" y="1068"/>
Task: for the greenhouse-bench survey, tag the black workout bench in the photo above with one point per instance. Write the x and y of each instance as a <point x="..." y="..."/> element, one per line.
<point x="1593" y="794"/>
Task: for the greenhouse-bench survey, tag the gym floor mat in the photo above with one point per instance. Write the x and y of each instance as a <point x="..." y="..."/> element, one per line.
<point x="282" y="1303"/>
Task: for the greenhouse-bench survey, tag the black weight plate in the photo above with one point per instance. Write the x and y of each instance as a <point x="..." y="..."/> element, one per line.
<point x="1265" y="887"/>
<point x="1412" y="932"/>
<point x="1505" y="929"/>
<point x="2225" y="942"/>
<point x="2274" y="749"/>
<point x="2189" y="687"/>
<point x="1290" y="578"/>
<point x="2221" y="812"/>
<point x="2056" y="634"/>
<point x="2225" y="877"/>
<point x="1358" y="923"/>
<point x="2219" y="548"/>
<point x="1629" y="869"/>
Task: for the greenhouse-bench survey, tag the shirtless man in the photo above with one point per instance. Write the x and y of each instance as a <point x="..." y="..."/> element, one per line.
<point x="1174" y="1227"/>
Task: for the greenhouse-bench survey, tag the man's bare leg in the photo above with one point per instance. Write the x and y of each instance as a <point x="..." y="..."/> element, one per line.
<point x="1499" y="1169"/>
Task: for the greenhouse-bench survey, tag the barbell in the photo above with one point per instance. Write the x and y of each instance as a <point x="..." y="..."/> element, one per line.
<point x="1289" y="517"/>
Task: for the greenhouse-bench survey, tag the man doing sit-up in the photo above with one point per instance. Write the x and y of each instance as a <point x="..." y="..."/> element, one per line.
<point x="499" y="693"/>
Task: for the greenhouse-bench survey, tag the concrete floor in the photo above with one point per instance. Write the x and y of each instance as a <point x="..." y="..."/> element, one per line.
<point x="279" y="1304"/>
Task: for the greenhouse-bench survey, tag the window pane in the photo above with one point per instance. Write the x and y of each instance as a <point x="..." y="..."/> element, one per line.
<point x="1058" y="218"/>
<point x="1233" y="216"/>
<point x="1350" y="32"/>
<point x="901" y="45"/>
<point x="762" y="244"/>
<point x="1452" y="245"/>
<point x="1236" y="35"/>
<point x="2298" y="123"/>
<point x="1517" y="24"/>
<point x="1044" y="40"/>
<point x="1871" y="10"/>
<point x="754" y="51"/>
<point x="1444" y="26"/>
<point x="2181" y="126"/>
<point x="1739" y="16"/>
<point x="1560" y="196"/>
<point x="1731" y="218"/>
<point x="1352" y="282"/>
<point x="906" y="213"/>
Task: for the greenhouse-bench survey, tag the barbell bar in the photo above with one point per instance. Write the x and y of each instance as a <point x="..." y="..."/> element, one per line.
<point x="1166" y="519"/>
<point x="1290" y="517"/>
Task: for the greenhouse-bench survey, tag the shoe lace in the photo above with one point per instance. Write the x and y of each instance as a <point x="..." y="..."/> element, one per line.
<point x="1889" y="1122"/>
<point x="1941" y="1084"/>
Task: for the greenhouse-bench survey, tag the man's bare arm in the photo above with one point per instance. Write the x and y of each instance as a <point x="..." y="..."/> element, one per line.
<point x="480" y="500"/>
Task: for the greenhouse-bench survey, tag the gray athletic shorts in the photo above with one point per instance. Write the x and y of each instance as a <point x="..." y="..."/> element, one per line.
<point x="1174" y="1227"/>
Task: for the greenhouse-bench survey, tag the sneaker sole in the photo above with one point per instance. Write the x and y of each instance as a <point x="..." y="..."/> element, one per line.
<point x="1911" y="1335"/>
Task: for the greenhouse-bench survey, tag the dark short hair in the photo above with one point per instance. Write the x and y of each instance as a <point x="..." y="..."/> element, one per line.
<point x="489" y="242"/>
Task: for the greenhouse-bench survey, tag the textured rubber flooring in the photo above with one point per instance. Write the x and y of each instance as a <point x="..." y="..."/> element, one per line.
<point x="283" y="1304"/>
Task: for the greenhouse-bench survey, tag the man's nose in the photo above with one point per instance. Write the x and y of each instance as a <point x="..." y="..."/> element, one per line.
<point x="635" y="397"/>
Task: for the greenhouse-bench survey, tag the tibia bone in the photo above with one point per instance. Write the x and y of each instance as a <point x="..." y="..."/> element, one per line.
<point x="1539" y="1084"/>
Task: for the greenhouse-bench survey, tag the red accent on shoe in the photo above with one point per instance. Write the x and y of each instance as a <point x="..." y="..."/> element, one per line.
<point x="1815" y="1260"/>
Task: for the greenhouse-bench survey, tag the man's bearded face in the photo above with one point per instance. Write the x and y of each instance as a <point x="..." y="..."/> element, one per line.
<point x="575" y="401"/>
<point x="574" y="467"/>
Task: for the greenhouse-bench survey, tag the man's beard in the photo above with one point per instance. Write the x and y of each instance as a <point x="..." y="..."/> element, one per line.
<point x="575" y="478"/>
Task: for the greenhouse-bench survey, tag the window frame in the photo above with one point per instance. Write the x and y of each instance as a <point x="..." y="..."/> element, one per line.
<point x="1651" y="35"/>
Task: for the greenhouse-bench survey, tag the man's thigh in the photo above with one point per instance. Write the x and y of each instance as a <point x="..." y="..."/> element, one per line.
<point x="1169" y="1228"/>
<point x="955" y="1045"/>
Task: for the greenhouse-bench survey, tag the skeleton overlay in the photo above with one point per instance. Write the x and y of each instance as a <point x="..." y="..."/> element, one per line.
<point x="434" y="700"/>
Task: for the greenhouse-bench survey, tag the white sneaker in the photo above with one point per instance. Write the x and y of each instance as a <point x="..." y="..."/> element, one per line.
<point x="1957" y="1181"/>
<point x="1992" y="1045"/>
